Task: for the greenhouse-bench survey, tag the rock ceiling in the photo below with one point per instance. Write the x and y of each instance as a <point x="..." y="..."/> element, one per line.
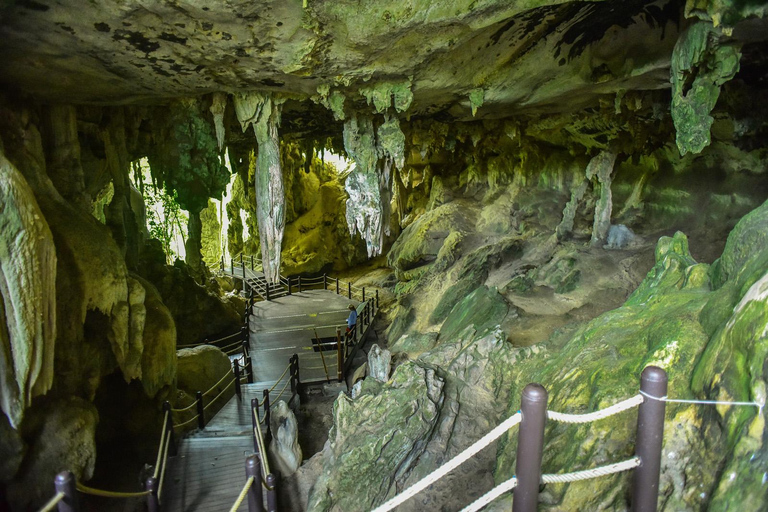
<point x="514" y="56"/>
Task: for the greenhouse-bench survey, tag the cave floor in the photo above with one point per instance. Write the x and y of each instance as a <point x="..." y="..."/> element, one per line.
<point x="288" y="325"/>
<point x="209" y="470"/>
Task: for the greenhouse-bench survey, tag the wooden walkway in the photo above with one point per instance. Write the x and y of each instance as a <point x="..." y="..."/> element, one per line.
<point x="209" y="470"/>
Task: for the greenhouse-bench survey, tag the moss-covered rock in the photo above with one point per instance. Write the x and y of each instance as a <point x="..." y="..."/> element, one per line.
<point x="483" y="309"/>
<point x="370" y="447"/>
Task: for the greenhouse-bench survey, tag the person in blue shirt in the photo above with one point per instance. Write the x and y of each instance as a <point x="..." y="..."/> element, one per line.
<point x="352" y="319"/>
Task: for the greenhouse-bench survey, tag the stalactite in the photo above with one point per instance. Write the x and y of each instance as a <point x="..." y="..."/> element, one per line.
<point x="218" y="107"/>
<point x="27" y="296"/>
<point x="601" y="166"/>
<point x="263" y="113"/>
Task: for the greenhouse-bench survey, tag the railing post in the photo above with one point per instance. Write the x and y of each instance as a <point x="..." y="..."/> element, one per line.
<point x="232" y="266"/>
<point x="65" y="483"/>
<point x="337" y="286"/>
<point x="255" y="494"/>
<point x="296" y="367"/>
<point x="238" y="391"/>
<point x="252" y="267"/>
<point x="349" y="290"/>
<point x="325" y="281"/>
<point x="153" y="504"/>
<point x="267" y="431"/>
<point x="248" y="362"/>
<point x="292" y="374"/>
<point x="377" y="300"/>
<point x="266" y="287"/>
<point x="169" y="428"/>
<point x="363" y="293"/>
<point x="299" y="284"/>
<point x="254" y="419"/>
<point x="242" y="265"/>
<point x="200" y="410"/>
<point x="530" y="445"/>
<point x="289" y="286"/>
<point x="271" y="493"/>
<point x="650" y="435"/>
<point x="339" y="356"/>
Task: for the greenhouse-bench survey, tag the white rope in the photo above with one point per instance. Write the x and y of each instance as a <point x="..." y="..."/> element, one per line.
<point x="451" y="464"/>
<point x="163" y="436"/>
<point x="597" y="415"/>
<point x="576" y="476"/>
<point x="489" y="497"/>
<point x="703" y="402"/>
<point x="587" y="474"/>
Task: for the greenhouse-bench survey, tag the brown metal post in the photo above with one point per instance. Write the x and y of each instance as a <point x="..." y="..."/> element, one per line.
<point x="337" y="286"/>
<point x="339" y="356"/>
<point x="153" y="503"/>
<point x="289" y="286"/>
<point x="363" y="293"/>
<point x="650" y="435"/>
<point x="245" y="289"/>
<point x="65" y="483"/>
<point x="254" y="419"/>
<point x="266" y="287"/>
<point x="271" y="493"/>
<point x="530" y="445"/>
<point x="349" y="290"/>
<point x="296" y="364"/>
<point x="255" y="494"/>
<point x="238" y="391"/>
<point x="267" y="431"/>
<point x="232" y="266"/>
<point x="325" y="281"/>
<point x="252" y="267"/>
<point x="292" y="375"/>
<point x="377" y="300"/>
<point x="299" y="284"/>
<point x="200" y="410"/>
<point x="169" y="428"/>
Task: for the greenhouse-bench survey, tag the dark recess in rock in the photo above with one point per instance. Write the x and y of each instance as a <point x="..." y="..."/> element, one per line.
<point x="33" y="6"/>
<point x="137" y="40"/>
<point x="173" y="38"/>
<point x="102" y="27"/>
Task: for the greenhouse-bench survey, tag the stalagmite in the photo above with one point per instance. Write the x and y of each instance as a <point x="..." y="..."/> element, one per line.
<point x="193" y="246"/>
<point x="602" y="167"/>
<point x="218" y="108"/>
<point x="263" y="113"/>
<point x="27" y="296"/>
<point x="565" y="228"/>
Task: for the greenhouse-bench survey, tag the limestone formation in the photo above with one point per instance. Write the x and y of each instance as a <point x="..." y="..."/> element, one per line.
<point x="284" y="450"/>
<point x="27" y="296"/>
<point x="263" y="113"/>
<point x="202" y="367"/>
<point x="379" y="363"/>
<point x="601" y="167"/>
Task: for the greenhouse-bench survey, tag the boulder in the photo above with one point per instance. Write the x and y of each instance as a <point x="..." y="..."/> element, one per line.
<point x="371" y="448"/>
<point x="201" y="367"/>
<point x="284" y="450"/>
<point x="379" y="363"/>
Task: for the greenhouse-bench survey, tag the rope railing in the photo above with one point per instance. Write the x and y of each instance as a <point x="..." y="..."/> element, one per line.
<point x="109" y="494"/>
<point x="222" y="379"/>
<point x="242" y="495"/>
<point x="53" y="502"/>
<point x="530" y="445"/>
<point x="213" y="400"/>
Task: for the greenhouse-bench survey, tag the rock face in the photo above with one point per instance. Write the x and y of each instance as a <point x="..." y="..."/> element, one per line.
<point x="62" y="437"/>
<point x="364" y="446"/>
<point x="284" y="450"/>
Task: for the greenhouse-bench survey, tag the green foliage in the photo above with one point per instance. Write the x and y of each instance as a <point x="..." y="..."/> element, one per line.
<point x="166" y="221"/>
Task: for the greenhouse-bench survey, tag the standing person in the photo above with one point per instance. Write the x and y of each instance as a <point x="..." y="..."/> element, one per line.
<point x="352" y="319"/>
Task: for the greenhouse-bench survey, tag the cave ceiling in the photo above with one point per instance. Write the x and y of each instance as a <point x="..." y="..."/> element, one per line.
<point x="519" y="56"/>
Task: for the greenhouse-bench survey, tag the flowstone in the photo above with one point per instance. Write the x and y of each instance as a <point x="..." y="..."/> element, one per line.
<point x="27" y="296"/>
<point x="284" y="449"/>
